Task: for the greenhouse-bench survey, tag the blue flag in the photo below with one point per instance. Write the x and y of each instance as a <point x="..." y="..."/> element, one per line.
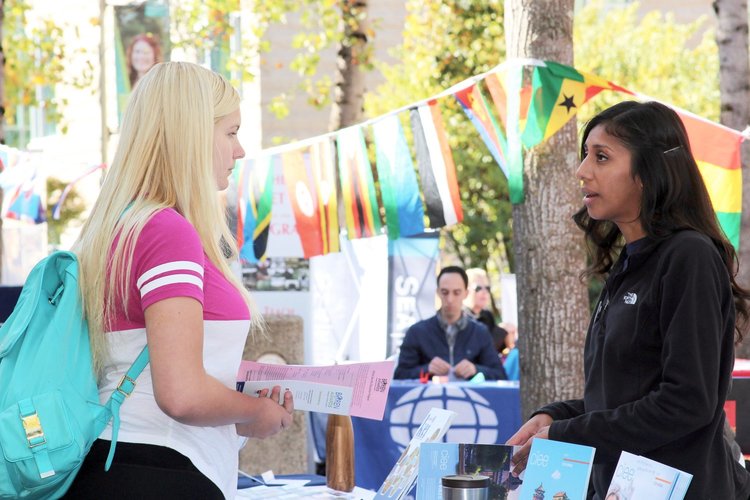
<point x="404" y="213"/>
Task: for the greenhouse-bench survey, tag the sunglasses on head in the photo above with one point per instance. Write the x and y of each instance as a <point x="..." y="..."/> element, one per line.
<point x="479" y="288"/>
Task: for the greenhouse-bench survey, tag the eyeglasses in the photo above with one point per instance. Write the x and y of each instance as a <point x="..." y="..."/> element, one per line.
<point x="479" y="288"/>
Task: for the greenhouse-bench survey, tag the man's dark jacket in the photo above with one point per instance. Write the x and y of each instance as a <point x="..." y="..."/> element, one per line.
<point x="426" y="339"/>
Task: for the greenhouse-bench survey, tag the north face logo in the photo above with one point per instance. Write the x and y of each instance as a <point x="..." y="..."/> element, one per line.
<point x="630" y="298"/>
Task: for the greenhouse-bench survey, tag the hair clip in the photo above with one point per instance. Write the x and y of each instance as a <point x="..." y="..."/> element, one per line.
<point x="673" y="149"/>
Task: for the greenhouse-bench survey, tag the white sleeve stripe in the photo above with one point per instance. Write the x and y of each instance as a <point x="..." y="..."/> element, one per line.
<point x="170" y="280"/>
<point x="178" y="265"/>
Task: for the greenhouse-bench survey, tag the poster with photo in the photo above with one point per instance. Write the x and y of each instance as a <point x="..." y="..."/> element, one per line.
<point x="276" y="274"/>
<point x="141" y="41"/>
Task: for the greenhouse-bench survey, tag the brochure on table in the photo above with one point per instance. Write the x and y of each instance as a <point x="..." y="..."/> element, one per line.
<point x="404" y="473"/>
<point x="640" y="477"/>
<point x="357" y="389"/>
<point x="557" y="469"/>
<point x="444" y="459"/>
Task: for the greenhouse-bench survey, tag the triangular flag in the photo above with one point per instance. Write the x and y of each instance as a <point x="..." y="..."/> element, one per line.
<point x="398" y="182"/>
<point x="475" y="106"/>
<point x="357" y="186"/>
<point x="558" y="92"/>
<point x="303" y="195"/>
<point x="436" y="168"/>
<point x="716" y="149"/>
<point x="323" y="157"/>
<point x="254" y="205"/>
<point x="26" y="204"/>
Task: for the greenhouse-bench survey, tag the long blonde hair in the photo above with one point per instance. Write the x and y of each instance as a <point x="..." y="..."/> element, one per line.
<point x="164" y="160"/>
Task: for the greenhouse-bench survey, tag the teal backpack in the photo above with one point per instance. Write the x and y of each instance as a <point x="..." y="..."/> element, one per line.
<point x="50" y="413"/>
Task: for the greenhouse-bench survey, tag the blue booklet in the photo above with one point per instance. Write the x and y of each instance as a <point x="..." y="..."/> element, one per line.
<point x="557" y="470"/>
<point x="640" y="477"/>
<point x="401" y="479"/>
<point x="446" y="459"/>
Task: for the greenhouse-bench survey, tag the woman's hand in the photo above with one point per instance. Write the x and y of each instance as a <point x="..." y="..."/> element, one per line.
<point x="536" y="427"/>
<point x="270" y="416"/>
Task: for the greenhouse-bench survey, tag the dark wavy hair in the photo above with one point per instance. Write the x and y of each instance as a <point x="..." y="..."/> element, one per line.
<point x="674" y="196"/>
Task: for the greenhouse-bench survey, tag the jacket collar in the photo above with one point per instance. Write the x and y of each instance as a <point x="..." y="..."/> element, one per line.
<point x="461" y="323"/>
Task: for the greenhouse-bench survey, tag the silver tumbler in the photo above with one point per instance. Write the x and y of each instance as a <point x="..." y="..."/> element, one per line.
<point x="463" y="487"/>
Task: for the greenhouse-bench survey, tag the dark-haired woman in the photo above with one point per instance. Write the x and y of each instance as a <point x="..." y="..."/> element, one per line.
<point x="660" y="345"/>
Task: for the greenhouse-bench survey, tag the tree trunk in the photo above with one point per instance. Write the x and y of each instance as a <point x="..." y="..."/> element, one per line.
<point x="734" y="85"/>
<point x="2" y="120"/>
<point x="349" y="82"/>
<point x="552" y="302"/>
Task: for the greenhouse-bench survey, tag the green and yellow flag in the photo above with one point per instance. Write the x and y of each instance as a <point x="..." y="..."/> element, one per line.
<point x="557" y="92"/>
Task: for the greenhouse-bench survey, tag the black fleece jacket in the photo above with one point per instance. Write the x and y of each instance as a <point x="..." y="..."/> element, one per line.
<point x="658" y="364"/>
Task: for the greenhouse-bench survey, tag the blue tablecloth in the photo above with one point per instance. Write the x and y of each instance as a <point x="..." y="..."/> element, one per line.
<point x="486" y="413"/>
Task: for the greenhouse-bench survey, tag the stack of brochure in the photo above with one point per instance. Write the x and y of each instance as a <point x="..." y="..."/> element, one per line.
<point x="639" y="477"/>
<point x="557" y="470"/>
<point x="402" y="477"/>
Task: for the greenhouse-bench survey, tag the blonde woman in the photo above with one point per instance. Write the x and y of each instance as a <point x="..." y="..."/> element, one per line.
<point x="478" y="305"/>
<point x="154" y="269"/>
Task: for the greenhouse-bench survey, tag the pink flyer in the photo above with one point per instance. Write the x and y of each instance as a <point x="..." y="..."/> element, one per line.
<point x="369" y="382"/>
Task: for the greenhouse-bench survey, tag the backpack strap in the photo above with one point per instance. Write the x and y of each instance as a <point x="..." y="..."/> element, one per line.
<point x="122" y="391"/>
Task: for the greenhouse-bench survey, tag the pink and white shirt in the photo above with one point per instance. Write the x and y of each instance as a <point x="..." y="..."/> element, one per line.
<point x="169" y="261"/>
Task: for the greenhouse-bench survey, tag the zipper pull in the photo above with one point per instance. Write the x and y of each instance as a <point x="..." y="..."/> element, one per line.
<point x="601" y="308"/>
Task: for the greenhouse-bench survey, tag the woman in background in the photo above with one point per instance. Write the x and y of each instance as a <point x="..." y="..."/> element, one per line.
<point x="478" y="304"/>
<point x="143" y="53"/>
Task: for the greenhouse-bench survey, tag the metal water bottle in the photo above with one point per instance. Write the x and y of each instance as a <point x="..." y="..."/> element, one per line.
<point x="465" y="487"/>
<point x="340" y="453"/>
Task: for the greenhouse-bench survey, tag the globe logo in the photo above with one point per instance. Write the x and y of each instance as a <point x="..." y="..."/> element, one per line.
<point x="475" y="421"/>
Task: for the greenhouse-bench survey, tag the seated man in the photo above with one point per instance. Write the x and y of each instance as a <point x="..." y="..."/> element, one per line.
<point x="449" y="343"/>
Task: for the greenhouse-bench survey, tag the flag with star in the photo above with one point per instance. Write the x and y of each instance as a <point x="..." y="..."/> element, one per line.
<point x="716" y="149"/>
<point x="557" y="92"/>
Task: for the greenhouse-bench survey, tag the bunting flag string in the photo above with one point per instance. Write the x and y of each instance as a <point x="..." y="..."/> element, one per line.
<point x="515" y="117"/>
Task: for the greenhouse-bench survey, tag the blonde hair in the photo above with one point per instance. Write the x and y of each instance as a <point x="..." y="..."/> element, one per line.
<point x="475" y="273"/>
<point x="164" y="160"/>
